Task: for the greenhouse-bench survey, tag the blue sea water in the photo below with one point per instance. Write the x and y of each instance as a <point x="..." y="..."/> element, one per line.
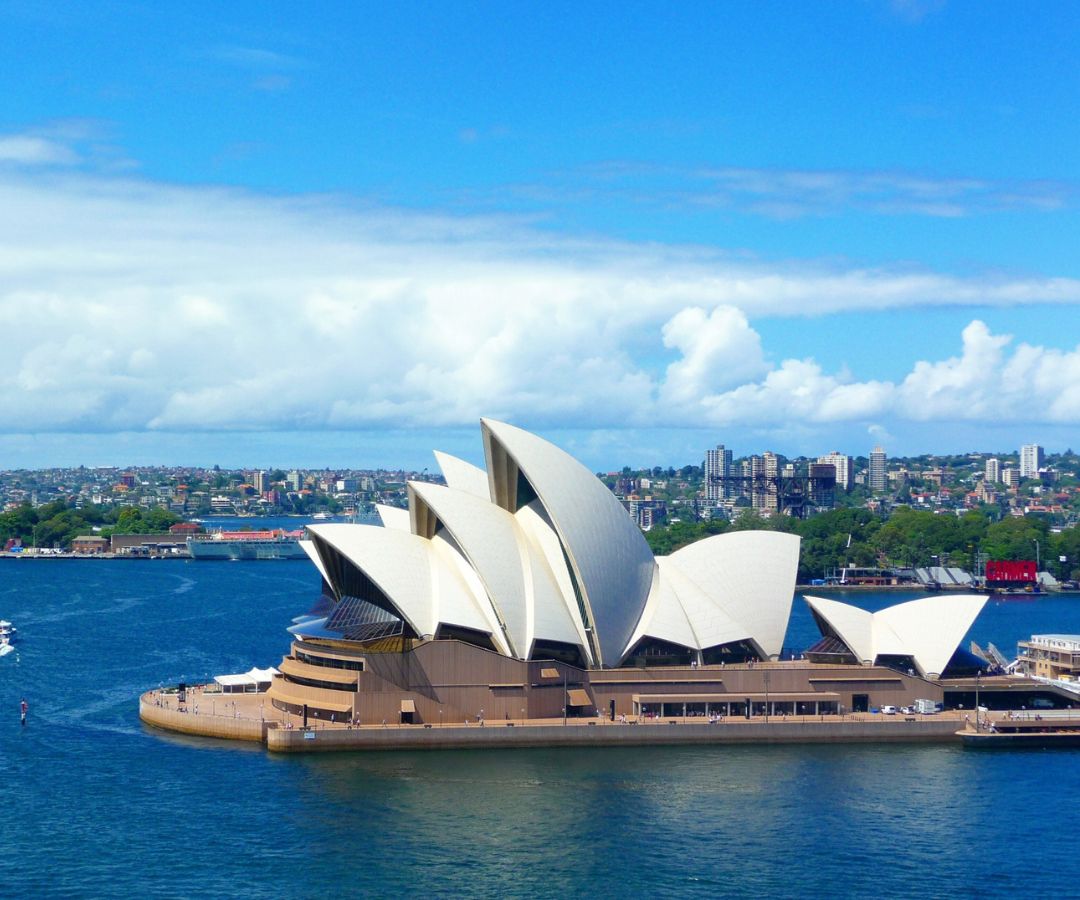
<point x="96" y="804"/>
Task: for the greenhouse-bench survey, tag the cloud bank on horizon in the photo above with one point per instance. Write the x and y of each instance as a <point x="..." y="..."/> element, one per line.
<point x="131" y="305"/>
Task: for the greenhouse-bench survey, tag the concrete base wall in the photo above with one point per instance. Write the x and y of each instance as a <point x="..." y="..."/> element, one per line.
<point x="501" y="736"/>
<point x="207" y="726"/>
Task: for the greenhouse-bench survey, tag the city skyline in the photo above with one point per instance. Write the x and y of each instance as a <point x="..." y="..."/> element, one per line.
<point x="267" y="236"/>
<point x="718" y="461"/>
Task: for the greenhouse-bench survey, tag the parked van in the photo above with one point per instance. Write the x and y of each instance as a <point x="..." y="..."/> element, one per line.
<point x="888" y="710"/>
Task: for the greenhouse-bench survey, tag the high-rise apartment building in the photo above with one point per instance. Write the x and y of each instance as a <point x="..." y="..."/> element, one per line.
<point x="993" y="471"/>
<point x="878" y="476"/>
<point x="260" y="481"/>
<point x="756" y="466"/>
<point x="1010" y="476"/>
<point x="770" y="503"/>
<point x="1031" y="460"/>
<point x="717" y="468"/>
<point x="844" y="466"/>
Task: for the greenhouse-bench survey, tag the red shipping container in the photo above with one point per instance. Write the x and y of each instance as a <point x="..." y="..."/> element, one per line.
<point x="1012" y="571"/>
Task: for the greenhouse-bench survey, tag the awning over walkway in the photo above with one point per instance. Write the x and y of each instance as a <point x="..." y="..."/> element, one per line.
<point x="408" y="706"/>
<point x="244" y="679"/>
<point x="549" y="673"/>
<point x="578" y="697"/>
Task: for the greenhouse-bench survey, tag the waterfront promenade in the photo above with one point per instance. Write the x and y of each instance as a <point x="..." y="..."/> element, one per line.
<point x="249" y="717"/>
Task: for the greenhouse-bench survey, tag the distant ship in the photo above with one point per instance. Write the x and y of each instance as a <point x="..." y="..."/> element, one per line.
<point x="276" y="544"/>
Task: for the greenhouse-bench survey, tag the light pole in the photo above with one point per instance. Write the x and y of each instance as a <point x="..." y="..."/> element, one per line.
<point x="766" y="696"/>
<point x="1038" y="560"/>
<point x="564" y="697"/>
<point x="440" y="718"/>
<point x="978" y="676"/>
<point x="523" y="715"/>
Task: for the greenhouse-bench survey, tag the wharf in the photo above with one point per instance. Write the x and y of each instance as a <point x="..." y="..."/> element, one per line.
<point x="248" y="717"/>
<point x="1041" y="731"/>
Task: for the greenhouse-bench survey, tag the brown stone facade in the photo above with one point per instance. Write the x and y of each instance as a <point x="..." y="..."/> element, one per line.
<point x="451" y="682"/>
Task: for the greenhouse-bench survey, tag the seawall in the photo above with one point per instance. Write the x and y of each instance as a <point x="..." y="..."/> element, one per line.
<point x="227" y="727"/>
<point x="458" y="737"/>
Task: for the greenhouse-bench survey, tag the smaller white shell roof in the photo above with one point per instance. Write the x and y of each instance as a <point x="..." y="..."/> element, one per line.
<point x="485" y="534"/>
<point x="561" y="621"/>
<point x="749" y="575"/>
<point x="664" y="617"/>
<point x="458" y="594"/>
<point x="463" y="476"/>
<point x="928" y="629"/>
<point x="422" y="579"/>
<point x="854" y="626"/>
<point x="397" y="561"/>
<point x="392" y="517"/>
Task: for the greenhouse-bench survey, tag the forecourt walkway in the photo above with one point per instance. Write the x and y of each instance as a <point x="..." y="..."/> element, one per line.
<point x="249" y="717"/>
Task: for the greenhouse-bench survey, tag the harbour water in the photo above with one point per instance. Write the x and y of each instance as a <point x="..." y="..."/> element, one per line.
<point x="94" y="803"/>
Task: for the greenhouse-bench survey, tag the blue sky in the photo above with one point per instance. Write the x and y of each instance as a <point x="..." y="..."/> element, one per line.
<point x="339" y="233"/>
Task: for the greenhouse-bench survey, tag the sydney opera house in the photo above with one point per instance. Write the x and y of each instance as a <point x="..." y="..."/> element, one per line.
<point x="525" y="590"/>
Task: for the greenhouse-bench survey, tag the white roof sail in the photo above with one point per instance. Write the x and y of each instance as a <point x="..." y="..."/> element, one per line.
<point x="398" y="562"/>
<point x="485" y="535"/>
<point x="313" y="554"/>
<point x="550" y="617"/>
<point x="463" y="476"/>
<point x="750" y="575"/>
<point x="664" y="617"/>
<point x="854" y="626"/>
<point x="392" y="517"/>
<point x="552" y="579"/>
<point x="713" y="625"/>
<point x="458" y="594"/>
<point x="608" y="555"/>
<point x="928" y="629"/>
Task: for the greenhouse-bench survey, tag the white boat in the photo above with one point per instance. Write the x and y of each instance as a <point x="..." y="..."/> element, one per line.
<point x="7" y="631"/>
<point x="6" y="648"/>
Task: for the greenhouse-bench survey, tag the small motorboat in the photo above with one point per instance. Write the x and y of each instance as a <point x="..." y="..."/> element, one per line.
<point x="7" y="631"/>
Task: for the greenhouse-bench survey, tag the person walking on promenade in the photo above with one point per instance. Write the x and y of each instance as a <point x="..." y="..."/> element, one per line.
<point x="24" y="708"/>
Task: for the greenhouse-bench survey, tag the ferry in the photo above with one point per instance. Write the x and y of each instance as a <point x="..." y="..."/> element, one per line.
<point x="272" y="544"/>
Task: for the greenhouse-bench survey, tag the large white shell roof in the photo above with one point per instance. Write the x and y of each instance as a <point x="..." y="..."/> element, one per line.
<point x="607" y="552"/>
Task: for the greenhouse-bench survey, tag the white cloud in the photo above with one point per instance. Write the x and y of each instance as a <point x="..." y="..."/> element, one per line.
<point x="30" y="150"/>
<point x="128" y="305"/>
<point x="718" y="349"/>
<point x="956" y="387"/>
<point x="792" y="193"/>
